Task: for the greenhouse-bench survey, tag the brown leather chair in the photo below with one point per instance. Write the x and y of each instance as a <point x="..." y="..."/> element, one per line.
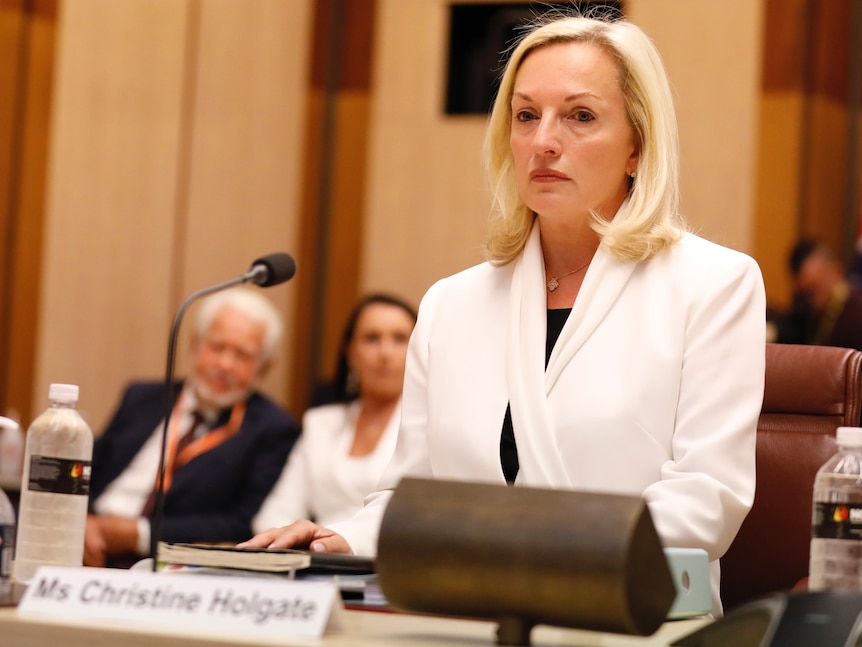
<point x="810" y="392"/>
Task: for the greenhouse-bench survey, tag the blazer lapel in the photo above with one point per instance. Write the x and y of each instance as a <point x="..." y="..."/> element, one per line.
<point x="603" y="283"/>
<point x="540" y="462"/>
<point x="529" y="383"/>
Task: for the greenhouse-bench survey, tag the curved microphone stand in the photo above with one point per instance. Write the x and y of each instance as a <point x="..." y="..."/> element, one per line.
<point x="266" y="271"/>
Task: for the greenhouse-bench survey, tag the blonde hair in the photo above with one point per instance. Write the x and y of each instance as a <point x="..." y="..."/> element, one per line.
<point x="650" y="221"/>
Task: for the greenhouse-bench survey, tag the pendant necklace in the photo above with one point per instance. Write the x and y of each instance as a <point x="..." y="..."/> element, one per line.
<point x="554" y="281"/>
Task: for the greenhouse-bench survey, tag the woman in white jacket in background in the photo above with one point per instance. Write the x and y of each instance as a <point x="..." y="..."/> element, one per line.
<point x="345" y="446"/>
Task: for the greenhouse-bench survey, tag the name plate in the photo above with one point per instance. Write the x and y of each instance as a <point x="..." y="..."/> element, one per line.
<point x="208" y="603"/>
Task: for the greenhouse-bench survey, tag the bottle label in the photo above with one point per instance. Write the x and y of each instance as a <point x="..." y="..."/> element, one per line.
<point x="837" y="521"/>
<point x="7" y="547"/>
<point x="59" y="475"/>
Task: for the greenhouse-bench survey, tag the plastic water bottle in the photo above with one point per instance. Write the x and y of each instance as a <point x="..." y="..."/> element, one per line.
<point x="836" y="522"/>
<point x="55" y="487"/>
<point x="7" y="537"/>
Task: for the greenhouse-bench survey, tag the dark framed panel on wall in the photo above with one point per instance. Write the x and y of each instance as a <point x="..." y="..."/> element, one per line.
<point x="480" y="34"/>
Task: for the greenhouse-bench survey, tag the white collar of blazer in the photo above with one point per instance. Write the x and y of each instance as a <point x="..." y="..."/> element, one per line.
<point x="529" y="382"/>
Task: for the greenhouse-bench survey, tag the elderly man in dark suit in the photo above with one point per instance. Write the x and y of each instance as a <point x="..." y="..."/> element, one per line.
<point x="227" y="442"/>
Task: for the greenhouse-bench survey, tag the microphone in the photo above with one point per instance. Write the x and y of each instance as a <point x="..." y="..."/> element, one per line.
<point x="272" y="269"/>
<point x="266" y="271"/>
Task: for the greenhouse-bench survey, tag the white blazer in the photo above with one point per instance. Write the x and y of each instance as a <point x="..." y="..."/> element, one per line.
<point x="653" y="388"/>
<point x="320" y="480"/>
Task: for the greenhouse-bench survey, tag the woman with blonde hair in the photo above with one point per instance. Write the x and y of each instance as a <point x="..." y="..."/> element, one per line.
<point x="601" y="347"/>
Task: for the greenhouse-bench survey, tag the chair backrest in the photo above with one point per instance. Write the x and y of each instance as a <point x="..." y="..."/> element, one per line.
<point x="810" y="391"/>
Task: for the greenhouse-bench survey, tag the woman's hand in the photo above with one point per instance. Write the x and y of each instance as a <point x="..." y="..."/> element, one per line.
<point x="300" y="534"/>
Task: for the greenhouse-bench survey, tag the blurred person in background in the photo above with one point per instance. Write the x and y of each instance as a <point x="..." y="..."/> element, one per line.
<point x="827" y="305"/>
<point x="345" y="445"/>
<point x="227" y="442"/>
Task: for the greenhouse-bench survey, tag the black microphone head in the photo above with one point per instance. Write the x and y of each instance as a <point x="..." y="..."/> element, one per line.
<point x="273" y="269"/>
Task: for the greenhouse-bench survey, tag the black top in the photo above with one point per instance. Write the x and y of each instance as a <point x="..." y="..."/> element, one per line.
<point x="508" y="449"/>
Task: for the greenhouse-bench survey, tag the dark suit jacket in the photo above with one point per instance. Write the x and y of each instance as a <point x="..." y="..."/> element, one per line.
<point x="215" y="495"/>
<point x="847" y="331"/>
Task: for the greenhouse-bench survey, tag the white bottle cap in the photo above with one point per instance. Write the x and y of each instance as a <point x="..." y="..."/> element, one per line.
<point x="849" y="436"/>
<point x="8" y="423"/>
<point x="63" y="393"/>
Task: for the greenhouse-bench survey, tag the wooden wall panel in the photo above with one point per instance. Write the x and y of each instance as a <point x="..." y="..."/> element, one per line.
<point x="334" y="183"/>
<point x="805" y="147"/>
<point x="824" y="170"/>
<point x="826" y="173"/>
<point x="31" y="202"/>
<point x="340" y="283"/>
<point x="712" y="54"/>
<point x="778" y="191"/>
<point x="246" y="138"/>
<point x="784" y="61"/>
<point x="12" y="33"/>
<point x="175" y="163"/>
<point x="13" y="26"/>
<point x="107" y="262"/>
<point x="781" y="142"/>
<point x="28" y="43"/>
<point x="427" y="201"/>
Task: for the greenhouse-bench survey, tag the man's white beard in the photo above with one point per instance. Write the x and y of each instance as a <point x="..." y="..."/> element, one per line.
<point x="219" y="400"/>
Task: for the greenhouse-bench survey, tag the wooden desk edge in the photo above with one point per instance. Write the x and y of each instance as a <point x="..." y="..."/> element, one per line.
<point x="361" y="628"/>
